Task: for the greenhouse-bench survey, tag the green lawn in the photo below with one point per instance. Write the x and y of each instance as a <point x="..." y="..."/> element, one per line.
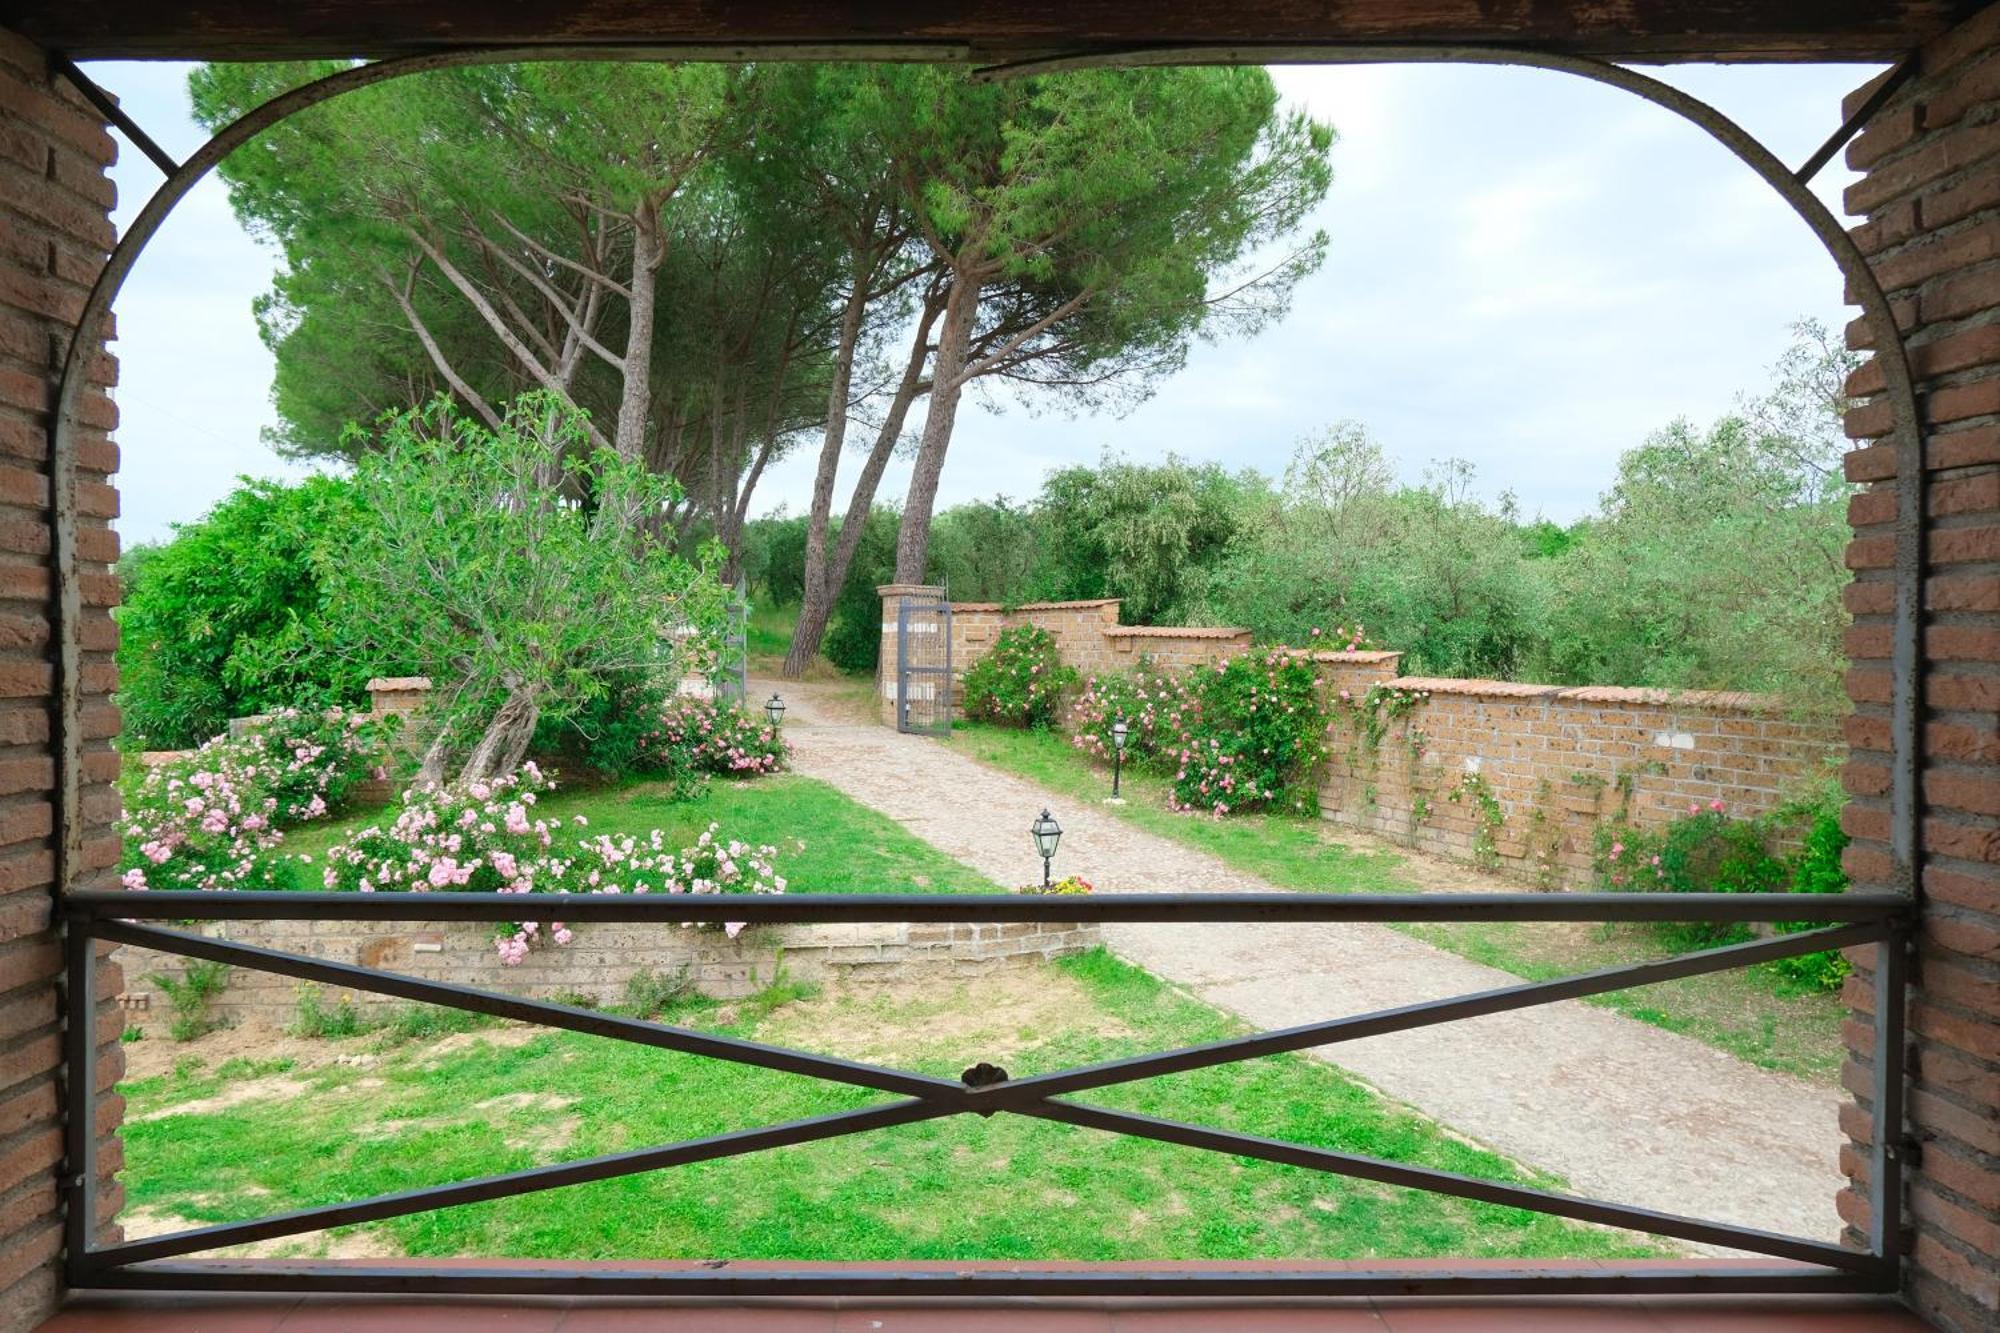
<point x="342" y="1120"/>
<point x="826" y="843"/>
<point x="1750" y="1013"/>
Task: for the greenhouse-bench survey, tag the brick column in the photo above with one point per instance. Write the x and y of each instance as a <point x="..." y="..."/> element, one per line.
<point x="1931" y="197"/>
<point x="55" y="229"/>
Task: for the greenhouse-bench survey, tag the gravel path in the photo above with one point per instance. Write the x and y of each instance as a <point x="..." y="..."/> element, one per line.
<point x="1622" y="1110"/>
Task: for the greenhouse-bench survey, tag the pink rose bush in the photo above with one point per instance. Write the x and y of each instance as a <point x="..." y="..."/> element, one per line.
<point x="491" y="837"/>
<point x="206" y="820"/>
<point x="695" y="735"/>
<point x="1157" y="706"/>
<point x="1249" y="734"/>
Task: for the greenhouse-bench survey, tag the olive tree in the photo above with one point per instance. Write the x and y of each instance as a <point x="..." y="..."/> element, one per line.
<point x="520" y="568"/>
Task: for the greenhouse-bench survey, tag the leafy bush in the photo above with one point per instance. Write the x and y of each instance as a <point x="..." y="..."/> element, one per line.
<point x="191" y="997"/>
<point x="1021" y="682"/>
<point x="1154" y="704"/>
<point x="485" y="837"/>
<point x="1255" y="739"/>
<point x="316" y="1019"/>
<point x="205" y="820"/>
<point x="231" y="617"/>
<point x="1705" y="851"/>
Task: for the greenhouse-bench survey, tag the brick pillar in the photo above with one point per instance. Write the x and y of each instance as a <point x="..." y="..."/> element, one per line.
<point x="893" y="596"/>
<point x="55" y="229"/>
<point x="1931" y="196"/>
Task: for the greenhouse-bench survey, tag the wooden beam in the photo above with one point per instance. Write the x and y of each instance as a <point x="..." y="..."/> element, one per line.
<point x="1630" y="30"/>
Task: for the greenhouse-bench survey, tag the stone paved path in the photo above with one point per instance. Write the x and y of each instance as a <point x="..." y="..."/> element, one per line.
<point x="1622" y="1110"/>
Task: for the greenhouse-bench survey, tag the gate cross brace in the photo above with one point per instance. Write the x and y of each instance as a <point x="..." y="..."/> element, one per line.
<point x="935" y="1098"/>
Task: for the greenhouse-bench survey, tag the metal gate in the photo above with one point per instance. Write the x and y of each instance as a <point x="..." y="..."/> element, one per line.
<point x="923" y="667"/>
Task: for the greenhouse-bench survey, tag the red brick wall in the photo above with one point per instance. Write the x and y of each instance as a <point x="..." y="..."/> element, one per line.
<point x="1931" y="197"/>
<point x="54" y="232"/>
<point x="1559" y="761"/>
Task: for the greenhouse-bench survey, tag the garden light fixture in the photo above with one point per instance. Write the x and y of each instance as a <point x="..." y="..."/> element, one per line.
<point x="774" y="708"/>
<point x="1047" y="834"/>
<point x="1119" y="733"/>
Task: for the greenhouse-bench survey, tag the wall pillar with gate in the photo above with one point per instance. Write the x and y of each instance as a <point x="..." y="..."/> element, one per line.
<point x="895" y="596"/>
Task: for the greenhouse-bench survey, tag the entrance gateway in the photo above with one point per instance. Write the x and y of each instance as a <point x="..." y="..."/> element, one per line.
<point x="923" y="665"/>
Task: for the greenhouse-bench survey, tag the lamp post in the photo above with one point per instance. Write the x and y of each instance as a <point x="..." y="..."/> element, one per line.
<point x="1119" y="732"/>
<point x="1047" y="833"/>
<point x="774" y="709"/>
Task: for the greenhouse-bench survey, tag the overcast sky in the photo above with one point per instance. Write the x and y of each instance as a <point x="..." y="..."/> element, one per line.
<point x="1527" y="271"/>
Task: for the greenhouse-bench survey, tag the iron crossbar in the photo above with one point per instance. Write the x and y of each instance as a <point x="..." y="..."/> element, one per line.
<point x="1804" y="1264"/>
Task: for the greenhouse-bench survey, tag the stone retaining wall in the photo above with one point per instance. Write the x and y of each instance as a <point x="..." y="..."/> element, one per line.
<point x="602" y="959"/>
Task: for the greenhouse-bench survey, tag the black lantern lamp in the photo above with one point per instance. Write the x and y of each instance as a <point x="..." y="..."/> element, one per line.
<point x="774" y="708"/>
<point x="1119" y="733"/>
<point x="1047" y="833"/>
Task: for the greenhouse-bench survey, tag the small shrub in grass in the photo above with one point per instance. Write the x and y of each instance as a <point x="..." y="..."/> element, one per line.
<point x="315" y="1018"/>
<point x="427" y="1022"/>
<point x="191" y="997"/>
<point x="649" y="994"/>
<point x="1021" y="682"/>
<point x="1255" y="738"/>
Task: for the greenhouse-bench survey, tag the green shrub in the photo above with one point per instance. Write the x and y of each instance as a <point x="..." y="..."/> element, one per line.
<point x="1021" y="682"/>
<point x="1705" y="851"/>
<point x="315" y="1019"/>
<point x="229" y="617"/>
<point x="649" y="994"/>
<point x="191" y="997"/>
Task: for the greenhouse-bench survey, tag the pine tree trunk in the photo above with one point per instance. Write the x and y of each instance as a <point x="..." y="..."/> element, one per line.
<point x="914" y="540"/>
<point x="817" y="609"/>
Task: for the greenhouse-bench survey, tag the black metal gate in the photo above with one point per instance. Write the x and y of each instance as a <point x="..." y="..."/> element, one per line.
<point x="923" y="666"/>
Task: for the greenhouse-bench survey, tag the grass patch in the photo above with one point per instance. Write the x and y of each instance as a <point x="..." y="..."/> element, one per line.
<point x="959" y="1188"/>
<point x="1752" y="1013"/>
<point x="827" y="842"/>
<point x="1292" y="851"/>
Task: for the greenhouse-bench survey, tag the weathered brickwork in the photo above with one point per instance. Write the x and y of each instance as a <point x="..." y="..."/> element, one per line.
<point x="1931" y="199"/>
<point x="602" y="959"/>
<point x="1556" y="762"/>
<point x="55" y="230"/>
<point x="1087" y="634"/>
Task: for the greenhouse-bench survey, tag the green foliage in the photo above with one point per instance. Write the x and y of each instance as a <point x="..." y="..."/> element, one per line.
<point x="191" y="996"/>
<point x="1137" y="532"/>
<point x="650" y="994"/>
<point x="316" y="1019"/>
<point x="519" y="569"/>
<point x="1488" y="816"/>
<point x="854" y="639"/>
<point x="1707" y="851"/>
<point x="1156" y="707"/>
<point x="231" y="617"/>
<point x="1021" y="681"/>
<point x="1256" y="738"/>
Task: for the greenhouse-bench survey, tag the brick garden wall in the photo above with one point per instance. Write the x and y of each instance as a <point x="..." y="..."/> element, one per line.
<point x="1558" y="761"/>
<point x="1931" y="199"/>
<point x="603" y="958"/>
<point x="55" y="231"/>
<point x="1087" y="635"/>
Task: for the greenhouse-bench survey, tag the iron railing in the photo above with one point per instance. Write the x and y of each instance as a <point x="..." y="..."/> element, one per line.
<point x="156" y="1262"/>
